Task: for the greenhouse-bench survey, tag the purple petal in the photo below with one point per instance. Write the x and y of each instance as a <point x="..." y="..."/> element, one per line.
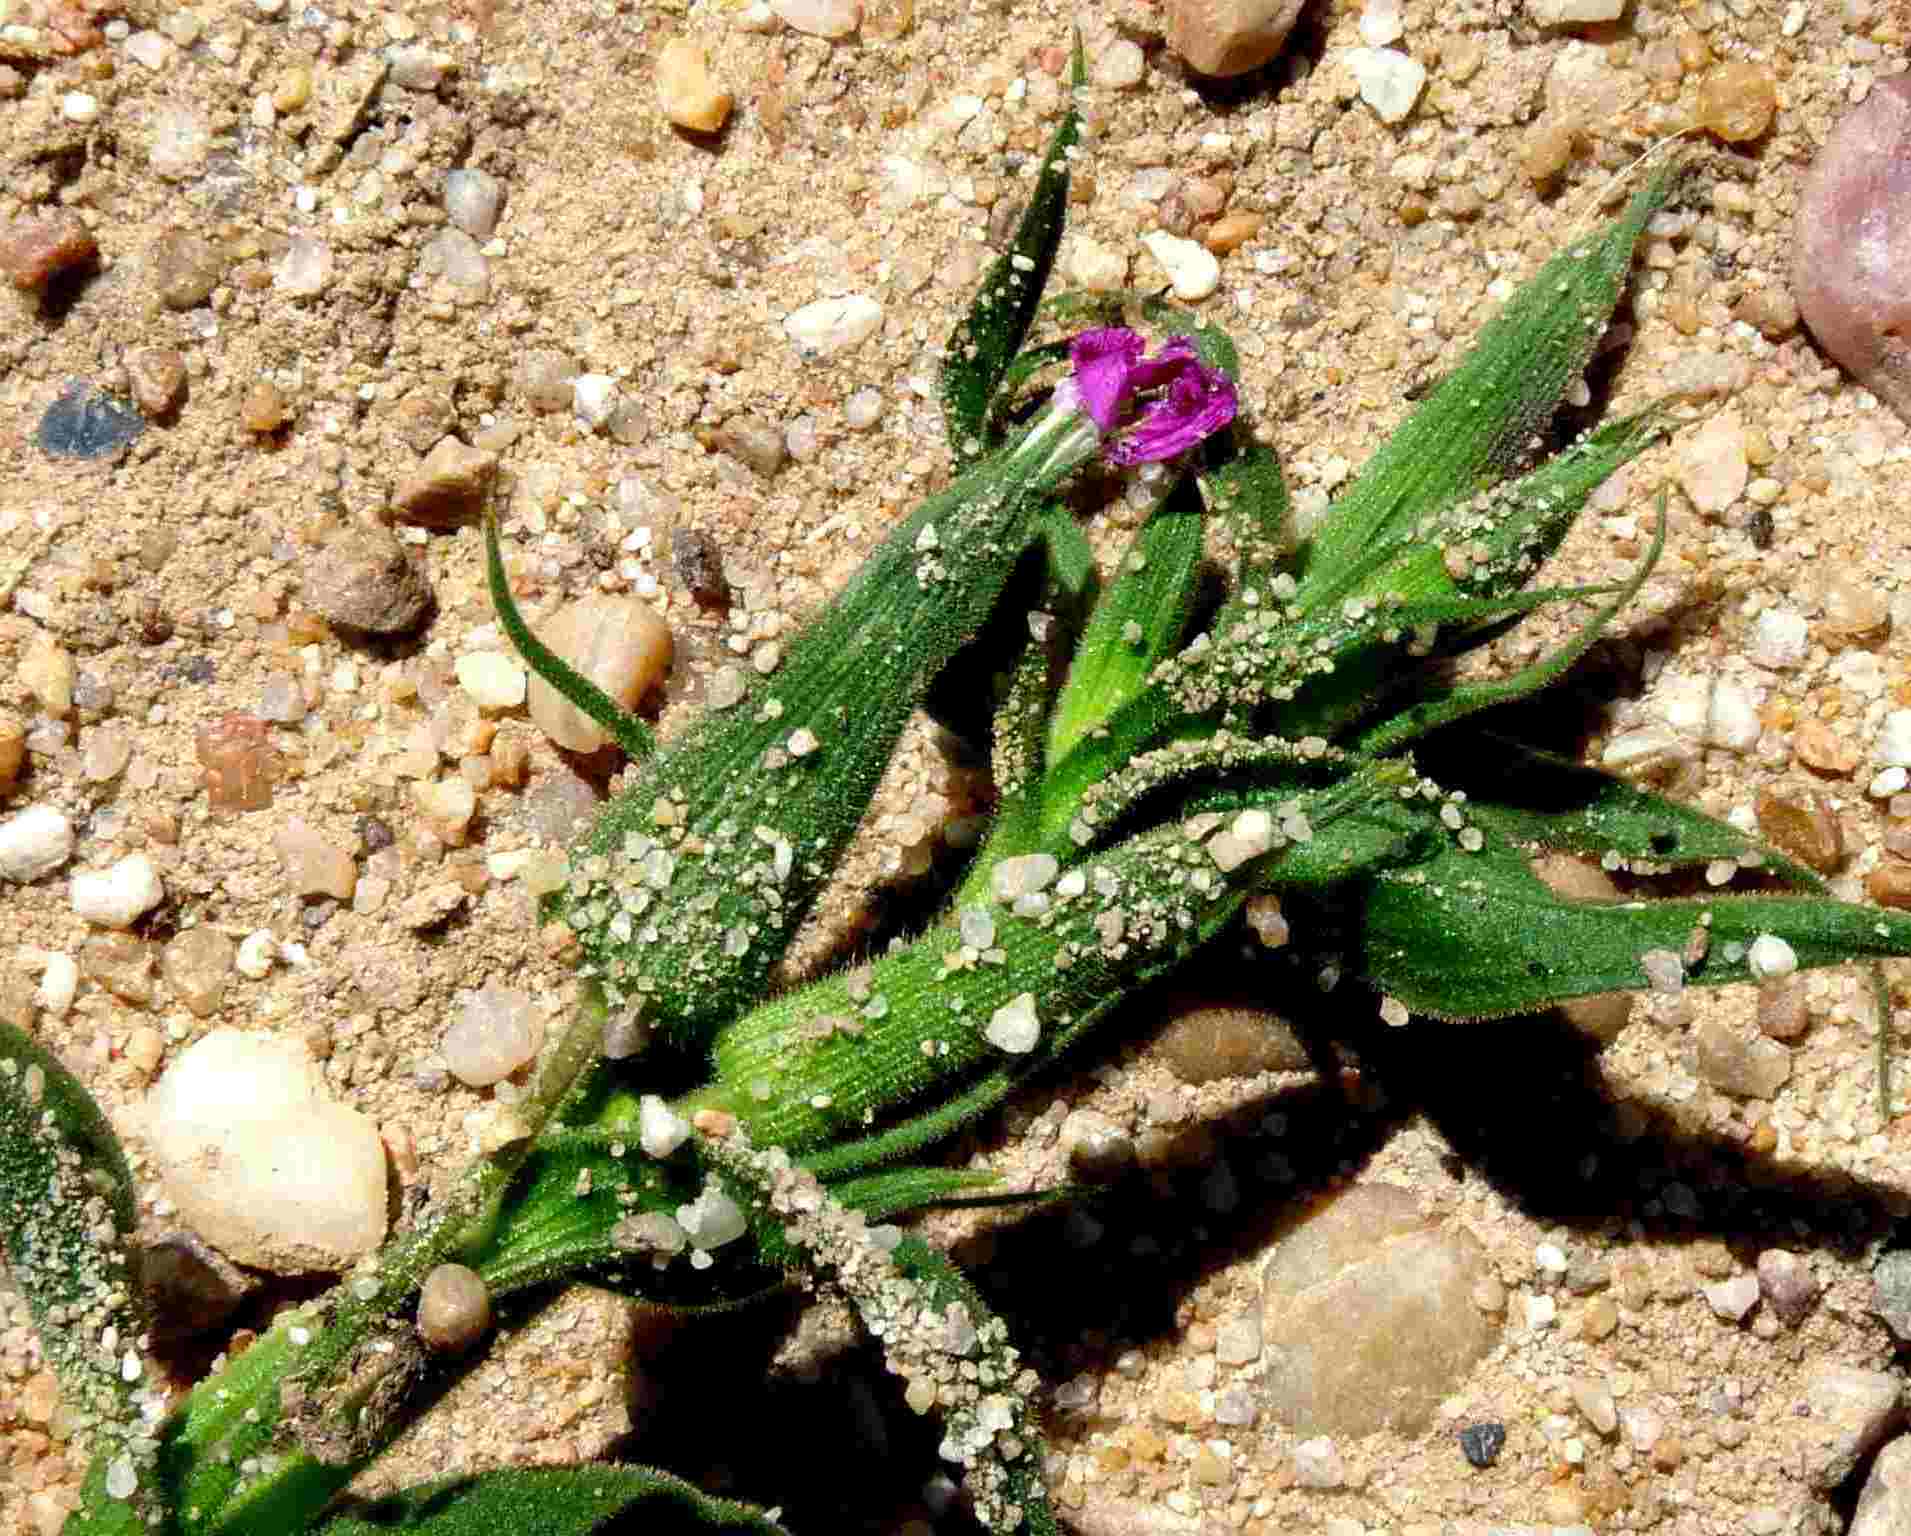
<point x="1164" y="366"/>
<point x="1104" y="363"/>
<point x="1199" y="401"/>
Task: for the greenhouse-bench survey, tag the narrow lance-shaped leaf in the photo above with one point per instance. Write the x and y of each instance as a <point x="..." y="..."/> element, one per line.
<point x="1468" y="937"/>
<point x="1482" y="419"/>
<point x="66" y="1217"/>
<point x="987" y="340"/>
<point x="552" y="1501"/>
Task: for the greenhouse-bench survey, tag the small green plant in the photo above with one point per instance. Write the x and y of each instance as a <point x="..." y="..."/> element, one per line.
<point x="1167" y="772"/>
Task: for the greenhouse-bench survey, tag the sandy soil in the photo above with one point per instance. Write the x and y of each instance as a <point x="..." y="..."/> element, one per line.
<point x="173" y="578"/>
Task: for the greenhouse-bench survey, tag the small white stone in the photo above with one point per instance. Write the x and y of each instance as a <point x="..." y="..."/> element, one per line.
<point x="1191" y="268"/>
<point x="115" y="897"/>
<point x="154" y="50"/>
<point x="1887" y="783"/>
<point x="1380" y="23"/>
<point x="261" y="1161"/>
<point x="1574" y="13"/>
<point x="1014" y="1027"/>
<point x="59" y="984"/>
<point x="863" y="410"/>
<point x="1779" y="639"/>
<point x="1390" y="82"/>
<point x="1771" y="957"/>
<point x="497" y="1031"/>
<point x="1095" y="266"/>
<point x="820" y="18"/>
<point x="472" y="201"/>
<point x="1730" y="1300"/>
<point x="1023" y="875"/>
<point x="1540" y="1312"/>
<point x="257" y="951"/>
<point x="492" y="679"/>
<point x="593" y="399"/>
<point x="1712" y="466"/>
<point x="712" y="1219"/>
<point x="832" y="325"/>
<point x="660" y="1129"/>
<point x="1550" y="1257"/>
<point x="1733" y="722"/>
<point x="1894" y="739"/>
<point x="976" y="927"/>
<point x="35" y="843"/>
<point x="1119" y="66"/>
<point x="305" y="269"/>
<point x="80" y="107"/>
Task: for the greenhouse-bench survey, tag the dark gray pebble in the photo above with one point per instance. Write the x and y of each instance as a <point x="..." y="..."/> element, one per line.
<point x="87" y="423"/>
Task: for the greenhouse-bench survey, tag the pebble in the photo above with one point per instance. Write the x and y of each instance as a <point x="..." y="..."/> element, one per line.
<point x="1712" y="467"/>
<point x="239" y="763"/>
<point x="48" y="672"/>
<point x="1853" y="243"/>
<point x="1238" y="1340"/>
<point x="1780" y="640"/>
<point x="197" y="965"/>
<point x="1229" y="37"/>
<point x="158" y="376"/>
<point x="1192" y="270"/>
<point x="59" y="984"/>
<point x="415" y="67"/>
<point x="1014" y="1026"/>
<point x="1368" y="1315"/>
<point x="473" y="200"/>
<point x="685" y="91"/>
<point x="454" y="1309"/>
<point x="498" y="1030"/>
<point x="820" y="18"/>
<point x="1317" y="1464"/>
<point x="660" y="1129"/>
<point x="1574" y="13"/>
<point x="86" y="423"/>
<point x="37" y="249"/>
<point x="314" y="865"/>
<point x="493" y="680"/>
<point x="34" y="843"/>
<point x="1732" y="1300"/>
<point x="1788" y="1285"/>
<point x="829" y="326"/>
<point x="153" y="50"/>
<point x="544" y="379"/>
<point x="620" y="644"/>
<point x="305" y="270"/>
<point x="712" y="1219"/>
<point x="257" y="951"/>
<point x="185" y="269"/>
<point x="863" y="410"/>
<point x="1482" y="1443"/>
<point x="364" y="581"/>
<point x="1120" y="66"/>
<point x="180" y="140"/>
<point x="1745" y="1066"/>
<point x="1205" y="1042"/>
<point x="1884" y="1503"/>
<point x="448" y="487"/>
<point x="105" y="751"/>
<point x="122" y="965"/>
<point x="13" y="752"/>
<point x="446" y="807"/>
<point x="594" y="400"/>
<point x="1592" y="1396"/>
<point x="118" y="895"/>
<point x="261" y="1161"/>
<point x="264" y="408"/>
<point x="1850" y="1412"/>
<point x="1097" y="267"/>
<point x="1891" y="1293"/>
<point x="454" y="258"/>
<point x="1737" y="100"/>
<point x="193" y="1289"/>
<point x="1096" y="1149"/>
<point x="1380" y="23"/>
<point x="1390" y="81"/>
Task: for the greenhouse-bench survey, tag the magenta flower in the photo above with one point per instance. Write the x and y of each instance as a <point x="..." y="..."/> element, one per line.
<point x="1191" y="400"/>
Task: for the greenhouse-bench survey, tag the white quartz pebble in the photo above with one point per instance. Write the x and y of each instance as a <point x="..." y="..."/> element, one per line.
<point x="492" y="679"/>
<point x="261" y="1161"/>
<point x="497" y="1031"/>
<point x="832" y="325"/>
<point x="1390" y="82"/>
<point x="1014" y="1027"/>
<point x="34" y="843"/>
<point x="1191" y="267"/>
<point x="116" y="896"/>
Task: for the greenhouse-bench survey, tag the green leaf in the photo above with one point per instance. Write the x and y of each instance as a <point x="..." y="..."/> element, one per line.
<point x="1482" y="419"/>
<point x="66" y="1221"/>
<point x="1138" y="622"/>
<point x="987" y="340"/>
<point x="551" y="1501"/>
<point x="1071" y="560"/>
<point x="897" y="1191"/>
<point x="1476" y="936"/>
<point x="1247" y="496"/>
<point x="1534" y="797"/>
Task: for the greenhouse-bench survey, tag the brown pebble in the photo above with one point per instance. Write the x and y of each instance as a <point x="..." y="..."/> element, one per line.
<point x="13" y="752"/>
<point x="1890" y="884"/>
<point x="1824" y="749"/>
<point x="1232" y="231"/>
<point x="423" y="417"/>
<point x="122" y="964"/>
<point x="1737" y="101"/>
<point x="40" y="247"/>
<point x="240" y="763"/>
<point x="1546" y="148"/>
<point x="620" y="644"/>
<point x="697" y="560"/>
<point x="454" y="1308"/>
<point x="1803" y="824"/>
<point x="263" y="409"/>
<point x="1783" y="1013"/>
<point x="185" y="269"/>
<point x="365" y="582"/>
<point x="197" y="965"/>
<point x="448" y="486"/>
<point x="158" y="378"/>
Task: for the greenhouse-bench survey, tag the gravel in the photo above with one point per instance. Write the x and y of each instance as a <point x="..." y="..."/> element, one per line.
<point x="34" y="843"/>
